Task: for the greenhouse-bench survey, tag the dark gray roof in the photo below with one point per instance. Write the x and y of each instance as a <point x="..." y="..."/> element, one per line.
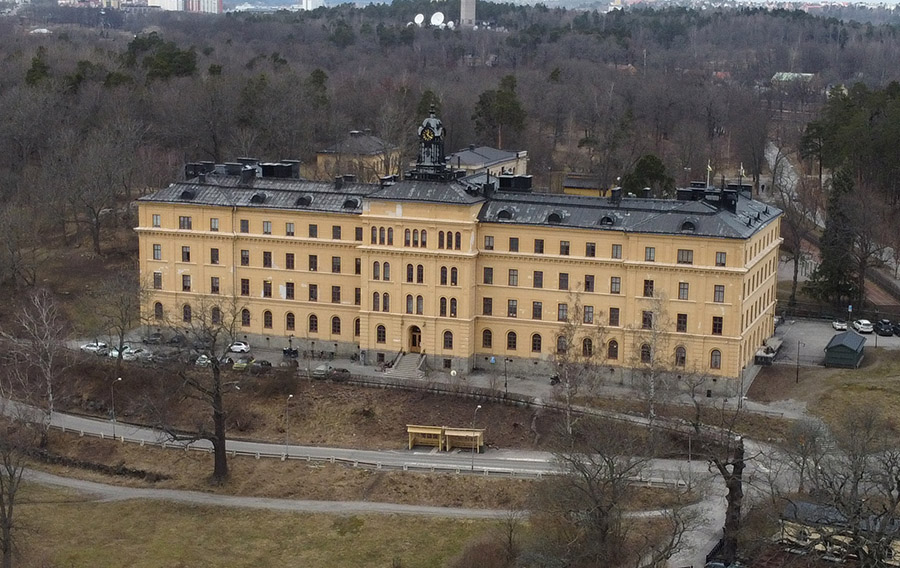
<point x="482" y="156"/>
<point x="428" y="191"/>
<point x="812" y="513"/>
<point x="849" y="339"/>
<point x="359" y="144"/>
<point x="581" y="182"/>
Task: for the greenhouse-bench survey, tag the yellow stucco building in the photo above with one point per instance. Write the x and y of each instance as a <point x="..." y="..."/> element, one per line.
<point x="468" y="271"/>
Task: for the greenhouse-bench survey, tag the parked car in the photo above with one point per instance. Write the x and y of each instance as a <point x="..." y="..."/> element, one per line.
<point x="260" y="367"/>
<point x="242" y="364"/>
<point x="839" y="325"/>
<point x="177" y="340"/>
<point x="896" y="328"/>
<point x="96" y="348"/>
<point x="883" y="327"/>
<point x="138" y="354"/>
<point x="863" y="326"/>
<point x="153" y="339"/>
<point x="203" y="361"/>
<point x="114" y="351"/>
<point x="340" y="374"/>
<point x="290" y="353"/>
<point x="239" y="347"/>
<point x="322" y="371"/>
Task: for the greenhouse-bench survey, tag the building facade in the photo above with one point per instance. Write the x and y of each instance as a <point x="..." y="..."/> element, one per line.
<point x="468" y="272"/>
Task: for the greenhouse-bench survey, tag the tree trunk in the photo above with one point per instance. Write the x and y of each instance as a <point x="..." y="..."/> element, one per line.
<point x="95" y="234"/>
<point x="734" y="482"/>
<point x="793" y="299"/>
<point x="220" y="469"/>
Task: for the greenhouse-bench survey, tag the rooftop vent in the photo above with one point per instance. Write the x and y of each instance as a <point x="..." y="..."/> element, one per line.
<point x="187" y="195"/>
<point x="504" y="215"/>
<point x="304" y="200"/>
<point x="352" y="203"/>
<point x="258" y="198"/>
<point x="554" y="218"/>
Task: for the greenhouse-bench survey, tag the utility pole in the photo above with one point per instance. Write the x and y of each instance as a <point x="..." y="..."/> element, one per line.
<point x="112" y="404"/>
<point x="474" y="436"/>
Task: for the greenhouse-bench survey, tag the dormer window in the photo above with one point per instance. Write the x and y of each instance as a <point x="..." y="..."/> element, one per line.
<point x="606" y="220"/>
<point x="304" y="200"/>
<point x="688" y="227"/>
<point x="554" y="218"/>
<point x="504" y="215"/>
<point x="187" y="195"/>
<point x="351" y="203"/>
<point x="258" y="198"/>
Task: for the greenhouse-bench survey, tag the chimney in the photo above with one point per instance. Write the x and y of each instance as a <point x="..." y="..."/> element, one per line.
<point x="248" y="173"/>
<point x="295" y="167"/>
<point x="616" y="196"/>
<point x="202" y="177"/>
<point x="338" y="182"/>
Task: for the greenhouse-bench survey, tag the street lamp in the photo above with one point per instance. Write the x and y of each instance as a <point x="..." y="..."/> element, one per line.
<point x="474" y="436"/>
<point x="287" y="423"/>
<point x="112" y="405"/>
<point x="505" y="377"/>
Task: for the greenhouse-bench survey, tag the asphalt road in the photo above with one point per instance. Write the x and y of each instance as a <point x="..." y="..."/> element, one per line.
<point x="809" y="338"/>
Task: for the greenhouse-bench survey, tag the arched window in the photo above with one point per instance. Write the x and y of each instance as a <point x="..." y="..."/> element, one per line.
<point x="245" y="317"/>
<point x="440" y="239"/>
<point x="487" y="338"/>
<point x="536" y="343"/>
<point x="313" y="324"/>
<point x="454" y="277"/>
<point x="376" y="302"/>
<point x="386" y="270"/>
<point x="443" y="310"/>
<point x="688" y="227"/>
<point x="390" y="236"/>
<point x="443" y="276"/>
<point x="646" y="353"/>
<point x="380" y="334"/>
<point x="409" y="303"/>
<point x="186" y="313"/>
<point x="452" y="307"/>
<point x="680" y="356"/>
<point x="356" y="327"/>
<point x="215" y="315"/>
<point x="587" y="347"/>
<point x="406" y="237"/>
<point x="409" y="272"/>
<point x="376" y="271"/>
<point x="448" y="340"/>
<point x="158" y="311"/>
<point x="511" y="340"/>
<point x="381" y="235"/>
<point x="415" y="237"/>
<point x="612" y="349"/>
<point x="424" y="238"/>
<point x="385" y="302"/>
<point x="374" y="235"/>
<point x="336" y="325"/>
<point x="267" y="319"/>
<point x="290" y="322"/>
<point x="562" y="344"/>
<point x="420" y="274"/>
<point x="420" y="305"/>
<point x="715" y="359"/>
<point x="458" y="241"/>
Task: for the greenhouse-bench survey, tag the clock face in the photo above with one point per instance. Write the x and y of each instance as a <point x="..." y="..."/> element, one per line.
<point x="428" y="134"/>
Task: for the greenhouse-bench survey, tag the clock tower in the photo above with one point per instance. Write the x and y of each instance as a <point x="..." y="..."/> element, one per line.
<point x="431" y="143"/>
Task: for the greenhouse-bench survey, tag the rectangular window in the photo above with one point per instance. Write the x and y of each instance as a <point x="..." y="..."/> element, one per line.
<point x="313" y="293"/>
<point x="537" y="310"/>
<point x="564" y="248"/>
<point x="588" y="283"/>
<point x="336" y="264"/>
<point x="335" y="294"/>
<point x="538" y="246"/>
<point x="357" y="296"/>
<point x="512" y="308"/>
<point x="562" y="312"/>
<point x="647" y="320"/>
<point x="214" y="256"/>
<point x="487" y="306"/>
<point x="157" y="252"/>
<point x="267" y="289"/>
<point x="488" y="275"/>
<point x="336" y="232"/>
<point x="538" y="279"/>
<point x="157" y="220"/>
<point x="648" y="288"/>
<point x="614" y="317"/>
<point x="513" y="244"/>
<point x="313" y="263"/>
<point x="184" y="223"/>
<point x="717" y="325"/>
<point x="357" y="266"/>
<point x="267" y="227"/>
<point x="683" y="290"/>
<point x="488" y="243"/>
<point x="563" y="281"/>
<point x="650" y="254"/>
<point x="289" y="260"/>
<point x="313" y="231"/>
<point x="185" y="254"/>
<point x="289" y="229"/>
<point x="245" y="257"/>
<point x="245" y="225"/>
<point x="720" y="259"/>
<point x="157" y="280"/>
<point x="267" y="259"/>
<point x="681" y="323"/>
<point x="245" y="287"/>
<point x="358" y="234"/>
<point x="288" y="290"/>
<point x="588" y="314"/>
<point x="590" y="250"/>
<point x="185" y="283"/>
<point x="615" y="285"/>
<point x="513" y="277"/>
<point x="719" y="293"/>
<point x="617" y="251"/>
<point x="685" y="256"/>
<point x="213" y="224"/>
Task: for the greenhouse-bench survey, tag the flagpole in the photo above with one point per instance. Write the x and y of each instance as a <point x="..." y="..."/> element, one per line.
<point x="708" y="172"/>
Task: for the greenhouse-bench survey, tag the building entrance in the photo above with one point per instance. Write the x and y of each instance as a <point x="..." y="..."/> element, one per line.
<point x="415" y="339"/>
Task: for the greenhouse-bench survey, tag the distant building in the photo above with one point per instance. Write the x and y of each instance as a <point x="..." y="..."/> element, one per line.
<point x="584" y="184"/>
<point x="467" y="13"/>
<point x="362" y="155"/>
<point x="484" y="159"/>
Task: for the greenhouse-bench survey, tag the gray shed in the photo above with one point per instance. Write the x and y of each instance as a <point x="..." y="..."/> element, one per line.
<point x="845" y="350"/>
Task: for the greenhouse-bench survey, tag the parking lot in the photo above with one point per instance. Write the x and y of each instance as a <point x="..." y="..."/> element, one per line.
<point x="809" y="338"/>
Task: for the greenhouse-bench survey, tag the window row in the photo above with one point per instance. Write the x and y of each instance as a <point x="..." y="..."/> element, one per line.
<point x="290" y="320"/>
<point x="449" y="240"/>
<point x="186" y="223"/>
<point x="382" y="236"/>
<point x="411" y="238"/>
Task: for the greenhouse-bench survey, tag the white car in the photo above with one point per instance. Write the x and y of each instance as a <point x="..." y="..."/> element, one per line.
<point x="96" y="348"/>
<point x="239" y="347"/>
<point x="137" y="354"/>
<point x="863" y="326"/>
<point x="839" y="325"/>
<point x="114" y="351"/>
<point x="203" y="361"/>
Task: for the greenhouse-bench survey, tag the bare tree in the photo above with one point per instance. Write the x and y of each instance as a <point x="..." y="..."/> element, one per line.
<point x="651" y="359"/>
<point x="118" y="306"/>
<point x="19" y="437"/>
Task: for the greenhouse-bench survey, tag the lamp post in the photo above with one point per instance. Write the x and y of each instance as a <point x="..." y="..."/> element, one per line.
<point x="287" y="423"/>
<point x="112" y="405"/>
<point x="474" y="436"/>
<point x="505" y="378"/>
<point x="799" y="343"/>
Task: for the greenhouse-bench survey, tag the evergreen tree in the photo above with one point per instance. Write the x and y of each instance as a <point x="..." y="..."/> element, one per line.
<point x="499" y="109"/>
<point x="834" y="279"/>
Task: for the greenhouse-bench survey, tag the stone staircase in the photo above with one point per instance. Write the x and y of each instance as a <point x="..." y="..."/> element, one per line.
<point x="408" y="366"/>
